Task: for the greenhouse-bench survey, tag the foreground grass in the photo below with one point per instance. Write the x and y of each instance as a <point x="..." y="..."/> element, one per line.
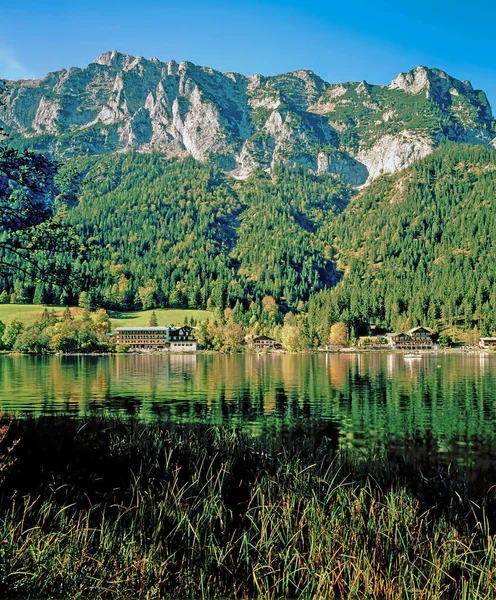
<point x="110" y="509"/>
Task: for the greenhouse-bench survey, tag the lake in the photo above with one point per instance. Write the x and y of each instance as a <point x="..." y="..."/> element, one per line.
<point x="444" y="405"/>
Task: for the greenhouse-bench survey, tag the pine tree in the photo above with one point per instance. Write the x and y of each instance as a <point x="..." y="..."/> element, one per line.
<point x="152" y="321"/>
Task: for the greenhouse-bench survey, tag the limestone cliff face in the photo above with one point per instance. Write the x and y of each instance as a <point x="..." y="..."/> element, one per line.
<point x="392" y="153"/>
<point x="355" y="130"/>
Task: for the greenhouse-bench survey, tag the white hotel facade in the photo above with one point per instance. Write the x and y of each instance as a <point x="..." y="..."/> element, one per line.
<point x="163" y="339"/>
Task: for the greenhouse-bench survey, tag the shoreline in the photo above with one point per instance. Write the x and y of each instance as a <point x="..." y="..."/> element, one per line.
<point x="345" y="351"/>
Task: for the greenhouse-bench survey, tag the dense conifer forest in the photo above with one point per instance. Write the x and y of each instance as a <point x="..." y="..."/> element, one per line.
<point x="419" y="247"/>
<point x="183" y="234"/>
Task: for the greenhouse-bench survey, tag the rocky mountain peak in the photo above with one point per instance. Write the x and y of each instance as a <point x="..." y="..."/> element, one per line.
<point x="363" y="88"/>
<point x="355" y="130"/>
<point x="411" y="82"/>
<point x="114" y="59"/>
<point x="424" y="78"/>
<point x="305" y="74"/>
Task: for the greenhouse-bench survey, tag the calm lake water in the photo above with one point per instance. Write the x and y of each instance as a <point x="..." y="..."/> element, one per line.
<point x="444" y="404"/>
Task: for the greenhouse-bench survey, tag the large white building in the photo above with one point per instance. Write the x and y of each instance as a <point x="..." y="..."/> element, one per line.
<point x="164" y="339"/>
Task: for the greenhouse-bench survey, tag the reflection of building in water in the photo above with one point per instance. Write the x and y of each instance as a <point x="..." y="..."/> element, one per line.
<point x="360" y="364"/>
<point x="132" y="366"/>
<point x="483" y="362"/>
<point x="182" y="363"/>
<point x="390" y="365"/>
<point x="148" y="339"/>
<point x="413" y="366"/>
<point x="152" y="367"/>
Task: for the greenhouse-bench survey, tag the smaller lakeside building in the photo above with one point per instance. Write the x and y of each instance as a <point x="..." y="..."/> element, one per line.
<point x="373" y="342"/>
<point x="487" y="343"/>
<point x="267" y="344"/>
<point x="418" y="338"/>
<point x="162" y="339"/>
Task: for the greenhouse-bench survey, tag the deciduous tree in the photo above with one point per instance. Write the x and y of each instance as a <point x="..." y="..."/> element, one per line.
<point x="338" y="335"/>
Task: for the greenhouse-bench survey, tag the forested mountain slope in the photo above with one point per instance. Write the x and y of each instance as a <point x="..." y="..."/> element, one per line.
<point x="414" y="247"/>
<point x="419" y="246"/>
<point x="182" y="234"/>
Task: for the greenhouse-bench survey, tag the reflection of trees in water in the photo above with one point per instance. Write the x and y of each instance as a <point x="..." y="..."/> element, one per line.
<point x="376" y="400"/>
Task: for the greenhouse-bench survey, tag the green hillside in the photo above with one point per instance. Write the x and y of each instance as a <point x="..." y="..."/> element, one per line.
<point x="164" y="317"/>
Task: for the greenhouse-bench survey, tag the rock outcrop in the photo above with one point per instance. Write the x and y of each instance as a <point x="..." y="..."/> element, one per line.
<point x="355" y="130"/>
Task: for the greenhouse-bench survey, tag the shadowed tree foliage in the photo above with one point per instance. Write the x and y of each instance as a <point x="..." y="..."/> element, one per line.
<point x="36" y="243"/>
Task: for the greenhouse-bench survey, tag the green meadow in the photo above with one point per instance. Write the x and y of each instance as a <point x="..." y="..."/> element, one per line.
<point x="27" y="313"/>
<point x="173" y="316"/>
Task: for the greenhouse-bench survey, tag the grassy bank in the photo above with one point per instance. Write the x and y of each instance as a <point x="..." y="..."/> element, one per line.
<point x="104" y="508"/>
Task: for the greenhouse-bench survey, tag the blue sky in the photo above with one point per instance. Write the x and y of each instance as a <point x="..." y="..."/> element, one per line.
<point x="340" y="41"/>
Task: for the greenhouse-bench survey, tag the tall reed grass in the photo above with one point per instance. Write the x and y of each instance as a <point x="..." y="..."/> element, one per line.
<point x="111" y="509"/>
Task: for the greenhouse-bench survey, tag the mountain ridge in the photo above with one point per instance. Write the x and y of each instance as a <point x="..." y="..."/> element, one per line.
<point x="356" y="130"/>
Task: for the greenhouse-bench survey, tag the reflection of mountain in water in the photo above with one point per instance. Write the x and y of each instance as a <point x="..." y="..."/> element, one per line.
<point x="368" y="401"/>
